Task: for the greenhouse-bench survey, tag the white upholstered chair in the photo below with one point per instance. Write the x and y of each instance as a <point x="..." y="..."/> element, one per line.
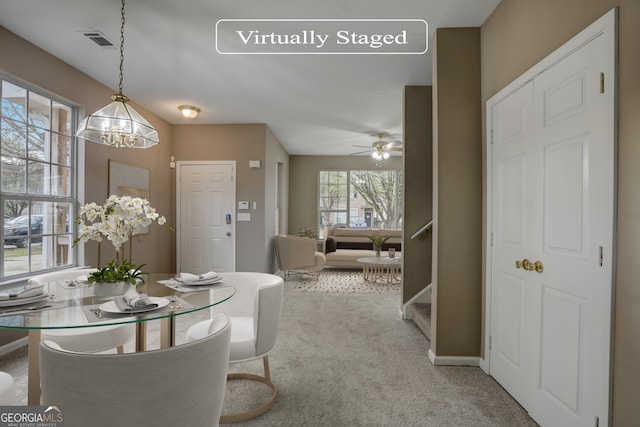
<point x="254" y="311"/>
<point x="295" y="253"/>
<point x="86" y="340"/>
<point x="176" y="386"/>
<point x="7" y="389"/>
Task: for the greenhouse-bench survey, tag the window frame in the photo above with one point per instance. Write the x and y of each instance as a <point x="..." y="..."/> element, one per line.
<point x="349" y="193"/>
<point x="51" y="164"/>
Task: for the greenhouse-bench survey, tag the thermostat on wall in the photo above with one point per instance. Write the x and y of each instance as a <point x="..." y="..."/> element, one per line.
<point x="243" y="205"/>
<point x="254" y="164"/>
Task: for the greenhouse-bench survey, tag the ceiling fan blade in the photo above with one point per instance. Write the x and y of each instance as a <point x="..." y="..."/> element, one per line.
<point x="359" y="152"/>
<point x="394" y="149"/>
<point x="363" y="146"/>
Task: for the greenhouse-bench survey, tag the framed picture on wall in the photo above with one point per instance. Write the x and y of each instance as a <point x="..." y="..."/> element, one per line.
<point x="127" y="180"/>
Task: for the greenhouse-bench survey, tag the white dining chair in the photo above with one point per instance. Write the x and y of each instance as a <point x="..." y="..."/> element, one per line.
<point x="175" y="386"/>
<point x="90" y="340"/>
<point x="7" y="389"/>
<point x="255" y="312"/>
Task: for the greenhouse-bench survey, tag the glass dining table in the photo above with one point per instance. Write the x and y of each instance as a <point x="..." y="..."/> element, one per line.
<point x="72" y="304"/>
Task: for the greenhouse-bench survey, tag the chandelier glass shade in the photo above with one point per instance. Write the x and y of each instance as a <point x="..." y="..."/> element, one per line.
<point x="118" y="124"/>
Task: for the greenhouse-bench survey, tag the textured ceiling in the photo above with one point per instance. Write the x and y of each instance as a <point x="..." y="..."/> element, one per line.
<point x="315" y="104"/>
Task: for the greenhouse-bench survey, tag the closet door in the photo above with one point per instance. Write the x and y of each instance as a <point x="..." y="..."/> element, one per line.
<point x="511" y="357"/>
<point x="571" y="327"/>
<point x="552" y="231"/>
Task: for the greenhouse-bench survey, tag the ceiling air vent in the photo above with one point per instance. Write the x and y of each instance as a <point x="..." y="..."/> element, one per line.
<point x="98" y="38"/>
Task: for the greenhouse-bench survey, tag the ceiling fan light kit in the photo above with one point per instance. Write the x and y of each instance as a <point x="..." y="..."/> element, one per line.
<point x="380" y="149"/>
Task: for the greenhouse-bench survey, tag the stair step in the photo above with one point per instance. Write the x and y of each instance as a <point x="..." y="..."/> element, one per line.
<point x="421" y="316"/>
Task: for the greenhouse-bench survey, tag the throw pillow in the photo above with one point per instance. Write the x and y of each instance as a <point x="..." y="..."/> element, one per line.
<point x="330" y="245"/>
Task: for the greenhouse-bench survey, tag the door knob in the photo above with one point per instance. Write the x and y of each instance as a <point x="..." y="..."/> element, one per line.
<point x="228" y="233"/>
<point x="538" y="266"/>
<point x="529" y="266"/>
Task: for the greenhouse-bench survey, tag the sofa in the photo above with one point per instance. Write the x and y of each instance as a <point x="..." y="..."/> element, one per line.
<point x="343" y="246"/>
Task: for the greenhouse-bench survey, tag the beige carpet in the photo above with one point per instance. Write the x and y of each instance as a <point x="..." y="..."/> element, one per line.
<point x="348" y="360"/>
<point x="344" y="280"/>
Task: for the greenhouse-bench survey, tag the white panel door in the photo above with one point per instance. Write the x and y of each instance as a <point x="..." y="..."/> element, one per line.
<point x="552" y="203"/>
<point x="206" y="213"/>
<point x="574" y="291"/>
<point x="512" y="129"/>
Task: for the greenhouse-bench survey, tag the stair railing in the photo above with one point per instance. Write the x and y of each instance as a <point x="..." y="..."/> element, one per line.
<point x="427" y="288"/>
<point x="423" y="229"/>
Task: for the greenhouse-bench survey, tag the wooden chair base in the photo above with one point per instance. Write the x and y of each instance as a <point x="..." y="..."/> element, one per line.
<point x="243" y="416"/>
<point x="313" y="273"/>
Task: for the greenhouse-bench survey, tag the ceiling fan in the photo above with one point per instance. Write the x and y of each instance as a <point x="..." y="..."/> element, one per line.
<point x="380" y="150"/>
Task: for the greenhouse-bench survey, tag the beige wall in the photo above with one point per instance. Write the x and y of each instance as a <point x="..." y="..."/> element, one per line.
<point x="516" y="36"/>
<point x="275" y="154"/>
<point x="33" y="65"/>
<point x="457" y="235"/>
<point x="303" y="183"/>
<point x="418" y="186"/>
<point x="186" y="142"/>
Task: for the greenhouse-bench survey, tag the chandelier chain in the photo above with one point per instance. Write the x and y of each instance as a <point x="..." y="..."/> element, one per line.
<point x="121" y="47"/>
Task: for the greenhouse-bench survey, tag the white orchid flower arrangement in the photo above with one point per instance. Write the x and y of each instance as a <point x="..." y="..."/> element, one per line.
<point x="117" y="220"/>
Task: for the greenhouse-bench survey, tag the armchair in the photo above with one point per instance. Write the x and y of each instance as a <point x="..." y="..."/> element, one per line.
<point x="298" y="254"/>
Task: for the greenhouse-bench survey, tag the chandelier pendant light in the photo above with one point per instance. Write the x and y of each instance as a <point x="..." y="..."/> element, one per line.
<point x="118" y="124"/>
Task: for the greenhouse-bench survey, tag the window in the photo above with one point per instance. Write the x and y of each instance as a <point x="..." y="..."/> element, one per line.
<point x="333" y="198"/>
<point x="360" y="199"/>
<point x="37" y="181"/>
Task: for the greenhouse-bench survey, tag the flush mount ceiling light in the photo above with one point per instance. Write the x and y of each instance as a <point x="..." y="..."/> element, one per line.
<point x="118" y="124"/>
<point x="189" y="111"/>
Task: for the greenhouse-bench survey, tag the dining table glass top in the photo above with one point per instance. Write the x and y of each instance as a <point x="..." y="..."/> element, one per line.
<point x="73" y="305"/>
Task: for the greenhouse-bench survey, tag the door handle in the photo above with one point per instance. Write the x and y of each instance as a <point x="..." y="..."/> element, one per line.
<point x="530" y="266"/>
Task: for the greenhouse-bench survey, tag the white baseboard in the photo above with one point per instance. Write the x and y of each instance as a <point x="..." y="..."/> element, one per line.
<point x="453" y="360"/>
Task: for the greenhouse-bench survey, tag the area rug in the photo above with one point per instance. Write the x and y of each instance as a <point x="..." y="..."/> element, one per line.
<point x="344" y="280"/>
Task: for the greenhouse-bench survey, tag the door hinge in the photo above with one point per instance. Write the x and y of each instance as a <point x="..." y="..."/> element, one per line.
<point x="491" y="136"/>
<point x="601" y="255"/>
<point x="491" y="240"/>
<point x="597" y="421"/>
<point x="601" y="82"/>
<point x="489" y="342"/>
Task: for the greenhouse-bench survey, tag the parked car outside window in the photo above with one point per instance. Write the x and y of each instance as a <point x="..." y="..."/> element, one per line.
<point x="16" y="231"/>
<point x="357" y="223"/>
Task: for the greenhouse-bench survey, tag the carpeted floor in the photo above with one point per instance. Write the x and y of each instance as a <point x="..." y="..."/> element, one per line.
<point x="347" y="359"/>
<point x="344" y="281"/>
